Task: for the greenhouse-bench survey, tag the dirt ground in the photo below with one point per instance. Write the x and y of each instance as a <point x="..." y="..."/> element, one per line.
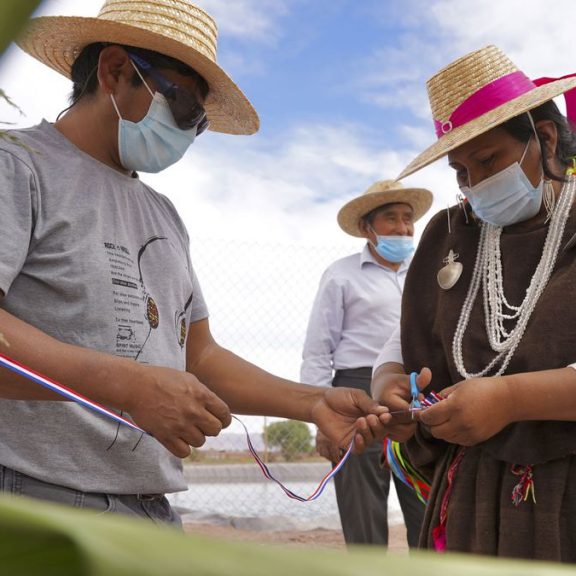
<point x="301" y="539"/>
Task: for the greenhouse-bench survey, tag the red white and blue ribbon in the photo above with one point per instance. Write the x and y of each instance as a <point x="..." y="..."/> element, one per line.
<point x="63" y="391"/>
<point x="431" y="399"/>
<point x="287" y="491"/>
<point x="54" y="386"/>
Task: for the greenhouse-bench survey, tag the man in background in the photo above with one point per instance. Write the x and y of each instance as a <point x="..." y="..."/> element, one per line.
<point x="356" y="309"/>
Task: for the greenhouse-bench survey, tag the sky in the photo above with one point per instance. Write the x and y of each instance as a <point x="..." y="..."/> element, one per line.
<point x="340" y="87"/>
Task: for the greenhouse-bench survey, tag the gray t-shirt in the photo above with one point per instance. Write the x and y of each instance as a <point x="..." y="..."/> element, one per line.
<point x="100" y="260"/>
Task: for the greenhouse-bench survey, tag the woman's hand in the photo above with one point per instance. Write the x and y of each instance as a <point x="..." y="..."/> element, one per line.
<point x="391" y="388"/>
<point x="473" y="411"/>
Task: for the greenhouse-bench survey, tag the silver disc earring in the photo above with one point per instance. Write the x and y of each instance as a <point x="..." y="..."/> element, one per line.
<point x="450" y="273"/>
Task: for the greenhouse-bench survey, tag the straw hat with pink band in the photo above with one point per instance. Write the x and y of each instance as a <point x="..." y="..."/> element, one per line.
<point x="479" y="92"/>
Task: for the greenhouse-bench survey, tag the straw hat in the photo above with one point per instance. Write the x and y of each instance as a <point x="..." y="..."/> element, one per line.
<point x="477" y="93"/>
<point x="380" y="193"/>
<point x="174" y="28"/>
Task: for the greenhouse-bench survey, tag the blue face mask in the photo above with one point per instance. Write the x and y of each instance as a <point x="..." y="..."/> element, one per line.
<point x="507" y="197"/>
<point x="394" y="248"/>
<point x="155" y="142"/>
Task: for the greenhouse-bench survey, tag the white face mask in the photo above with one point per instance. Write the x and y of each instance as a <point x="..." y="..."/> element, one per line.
<point x="155" y="142"/>
<point x="507" y="197"/>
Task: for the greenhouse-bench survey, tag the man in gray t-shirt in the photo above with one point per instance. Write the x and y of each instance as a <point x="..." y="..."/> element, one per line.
<point x="97" y="289"/>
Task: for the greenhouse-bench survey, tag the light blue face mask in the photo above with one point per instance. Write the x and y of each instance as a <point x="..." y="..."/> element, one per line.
<point x="394" y="248"/>
<point x="507" y="197"/>
<point x="155" y="142"/>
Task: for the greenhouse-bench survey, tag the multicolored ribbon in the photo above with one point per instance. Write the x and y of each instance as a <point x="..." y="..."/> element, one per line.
<point x="50" y="384"/>
<point x="64" y="391"/>
<point x="404" y="471"/>
<point x="525" y="487"/>
<point x="287" y="491"/>
<point x="400" y="466"/>
<point x="439" y="531"/>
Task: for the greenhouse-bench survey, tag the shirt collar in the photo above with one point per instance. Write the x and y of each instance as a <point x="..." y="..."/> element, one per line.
<point x="366" y="257"/>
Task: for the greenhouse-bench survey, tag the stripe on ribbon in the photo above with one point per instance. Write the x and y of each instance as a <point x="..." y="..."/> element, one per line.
<point x="63" y="391"/>
<point x="266" y="471"/>
<point x="54" y="386"/>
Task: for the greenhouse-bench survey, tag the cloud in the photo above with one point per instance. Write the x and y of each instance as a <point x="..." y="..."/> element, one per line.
<point x="288" y="187"/>
<point x="251" y="20"/>
<point x="255" y="205"/>
<point x="88" y="8"/>
<point x="535" y="36"/>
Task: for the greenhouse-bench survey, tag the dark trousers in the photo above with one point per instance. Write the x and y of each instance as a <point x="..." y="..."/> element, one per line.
<point x="362" y="486"/>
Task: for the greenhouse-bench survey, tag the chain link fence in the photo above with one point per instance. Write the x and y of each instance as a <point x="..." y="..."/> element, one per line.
<point x="259" y="296"/>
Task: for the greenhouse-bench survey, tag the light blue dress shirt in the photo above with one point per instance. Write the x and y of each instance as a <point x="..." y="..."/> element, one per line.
<point x="356" y="309"/>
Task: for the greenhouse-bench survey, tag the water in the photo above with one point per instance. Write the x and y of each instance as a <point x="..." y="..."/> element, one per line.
<point x="266" y="501"/>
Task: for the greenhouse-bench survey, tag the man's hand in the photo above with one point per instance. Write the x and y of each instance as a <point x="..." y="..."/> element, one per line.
<point x="473" y="411"/>
<point x="177" y="409"/>
<point x="392" y="389"/>
<point x="346" y="413"/>
<point x="171" y="405"/>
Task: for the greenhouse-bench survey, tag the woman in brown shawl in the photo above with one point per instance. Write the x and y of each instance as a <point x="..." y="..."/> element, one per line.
<point x="488" y="320"/>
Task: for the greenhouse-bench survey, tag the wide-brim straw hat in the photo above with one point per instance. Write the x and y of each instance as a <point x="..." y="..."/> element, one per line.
<point x="477" y="93"/>
<point x="174" y="28"/>
<point x="379" y="194"/>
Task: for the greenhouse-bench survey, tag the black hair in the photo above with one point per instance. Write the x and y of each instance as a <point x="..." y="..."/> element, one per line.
<point x="520" y="128"/>
<point x="85" y="81"/>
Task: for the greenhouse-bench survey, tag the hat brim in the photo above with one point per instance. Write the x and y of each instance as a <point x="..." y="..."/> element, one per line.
<point x="350" y="214"/>
<point x="486" y="122"/>
<point x="57" y="40"/>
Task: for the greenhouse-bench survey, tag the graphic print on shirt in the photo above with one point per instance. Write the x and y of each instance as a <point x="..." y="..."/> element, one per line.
<point x="152" y="314"/>
<point x="137" y="312"/>
<point x="137" y="308"/>
<point x="180" y="326"/>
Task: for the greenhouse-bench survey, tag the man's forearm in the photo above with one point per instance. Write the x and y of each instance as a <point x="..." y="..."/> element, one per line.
<point x="94" y="374"/>
<point x="248" y="389"/>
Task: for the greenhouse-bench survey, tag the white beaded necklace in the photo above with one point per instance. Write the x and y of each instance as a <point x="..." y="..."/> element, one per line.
<point x="497" y="310"/>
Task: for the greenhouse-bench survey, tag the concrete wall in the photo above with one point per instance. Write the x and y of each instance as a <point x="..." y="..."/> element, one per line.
<point x="295" y="472"/>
